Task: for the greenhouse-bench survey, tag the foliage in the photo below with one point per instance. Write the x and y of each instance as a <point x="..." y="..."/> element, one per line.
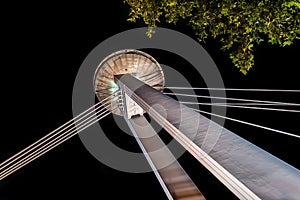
<point x="239" y="25"/>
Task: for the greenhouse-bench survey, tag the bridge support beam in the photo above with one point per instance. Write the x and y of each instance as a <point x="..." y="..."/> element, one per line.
<point x="248" y="171"/>
<point x="172" y="177"/>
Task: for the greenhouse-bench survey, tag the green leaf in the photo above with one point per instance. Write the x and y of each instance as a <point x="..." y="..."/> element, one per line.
<point x="287" y="43"/>
<point x="250" y="46"/>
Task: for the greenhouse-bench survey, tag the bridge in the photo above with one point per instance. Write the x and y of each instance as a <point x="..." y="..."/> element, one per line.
<point x="130" y="83"/>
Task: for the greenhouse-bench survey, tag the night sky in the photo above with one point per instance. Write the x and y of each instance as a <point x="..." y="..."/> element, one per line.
<point x="42" y="48"/>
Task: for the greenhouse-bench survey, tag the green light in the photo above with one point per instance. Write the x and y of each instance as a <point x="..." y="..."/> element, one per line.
<point x="113" y="86"/>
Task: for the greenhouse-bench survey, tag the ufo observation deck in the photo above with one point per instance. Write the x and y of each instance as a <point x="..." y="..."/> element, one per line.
<point x="129" y="61"/>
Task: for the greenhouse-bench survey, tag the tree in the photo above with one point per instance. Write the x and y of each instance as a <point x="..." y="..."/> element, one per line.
<point x="239" y="25"/>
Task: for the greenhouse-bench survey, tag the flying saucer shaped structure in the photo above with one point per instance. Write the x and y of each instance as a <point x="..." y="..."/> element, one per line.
<point x="129" y="61"/>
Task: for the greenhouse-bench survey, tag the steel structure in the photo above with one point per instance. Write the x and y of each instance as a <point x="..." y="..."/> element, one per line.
<point x="172" y="177"/>
<point x="129" y="83"/>
<point x="248" y="171"/>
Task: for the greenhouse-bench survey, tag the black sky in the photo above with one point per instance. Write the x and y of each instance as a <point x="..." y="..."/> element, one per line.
<point x="42" y="48"/>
